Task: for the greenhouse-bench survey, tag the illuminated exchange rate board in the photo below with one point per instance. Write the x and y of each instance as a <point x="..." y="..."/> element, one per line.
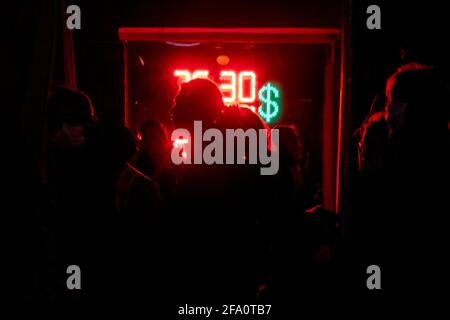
<point x="240" y="88"/>
<point x="289" y="77"/>
<point x="282" y="83"/>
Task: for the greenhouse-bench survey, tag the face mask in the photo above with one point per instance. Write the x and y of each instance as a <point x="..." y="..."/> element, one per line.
<point x="395" y="113"/>
<point x="73" y="134"/>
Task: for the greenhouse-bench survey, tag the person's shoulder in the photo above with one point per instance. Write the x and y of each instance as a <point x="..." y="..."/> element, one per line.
<point x="375" y="124"/>
<point x="377" y="118"/>
<point x="125" y="175"/>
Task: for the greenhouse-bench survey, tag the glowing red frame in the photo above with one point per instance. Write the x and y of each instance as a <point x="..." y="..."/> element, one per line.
<point x="336" y="71"/>
<point x="235" y="35"/>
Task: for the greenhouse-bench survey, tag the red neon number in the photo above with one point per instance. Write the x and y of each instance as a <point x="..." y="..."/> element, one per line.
<point x="184" y="75"/>
<point x="232" y="90"/>
<point x="252" y="76"/>
<point x="228" y="87"/>
<point x="200" y="74"/>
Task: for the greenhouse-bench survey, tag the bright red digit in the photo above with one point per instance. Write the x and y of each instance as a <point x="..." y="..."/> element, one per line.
<point x="230" y="87"/>
<point x="200" y="74"/>
<point x="251" y="75"/>
<point x="184" y="75"/>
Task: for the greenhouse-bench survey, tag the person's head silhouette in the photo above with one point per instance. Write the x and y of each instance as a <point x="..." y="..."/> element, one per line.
<point x="70" y="115"/>
<point x="197" y="100"/>
<point x="415" y="98"/>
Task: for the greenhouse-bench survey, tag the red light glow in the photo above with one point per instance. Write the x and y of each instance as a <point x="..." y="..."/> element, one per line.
<point x="184" y="75"/>
<point x="228" y="89"/>
<point x="236" y="88"/>
<point x="252" y="76"/>
<point x="252" y="108"/>
<point x="179" y="143"/>
<point x="223" y="60"/>
<point x="200" y="74"/>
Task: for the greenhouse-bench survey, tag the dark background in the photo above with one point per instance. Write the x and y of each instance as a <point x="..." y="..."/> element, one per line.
<point x="102" y="43"/>
<point x="28" y="64"/>
<point x="418" y="28"/>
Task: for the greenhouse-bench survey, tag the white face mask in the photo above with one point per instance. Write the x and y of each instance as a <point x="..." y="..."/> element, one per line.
<point x="74" y="134"/>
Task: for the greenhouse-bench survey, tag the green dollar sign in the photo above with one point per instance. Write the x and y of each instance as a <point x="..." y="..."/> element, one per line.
<point x="271" y="107"/>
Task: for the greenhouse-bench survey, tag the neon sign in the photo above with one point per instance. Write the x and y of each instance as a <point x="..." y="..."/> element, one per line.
<point x="252" y="77"/>
<point x="229" y="88"/>
<point x="236" y="88"/>
<point x="240" y="88"/>
<point x="270" y="105"/>
<point x="186" y="76"/>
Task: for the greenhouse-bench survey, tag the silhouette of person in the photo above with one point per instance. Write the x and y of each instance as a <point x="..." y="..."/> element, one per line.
<point x="402" y="156"/>
<point x="139" y="193"/>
